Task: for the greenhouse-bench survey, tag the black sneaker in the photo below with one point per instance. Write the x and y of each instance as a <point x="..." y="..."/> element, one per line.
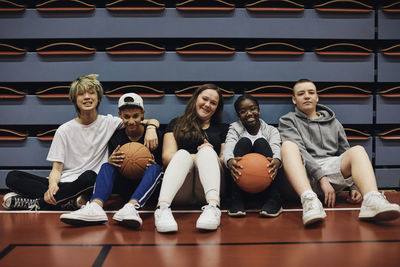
<point x="237" y="209"/>
<point x="70" y="204"/>
<point x="14" y="201"/>
<point x="271" y="208"/>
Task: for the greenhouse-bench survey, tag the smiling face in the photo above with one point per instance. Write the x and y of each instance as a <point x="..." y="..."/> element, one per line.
<point x="87" y="100"/>
<point x="249" y="114"/>
<point x="206" y="104"/>
<point x="305" y="97"/>
<point x="132" y="118"/>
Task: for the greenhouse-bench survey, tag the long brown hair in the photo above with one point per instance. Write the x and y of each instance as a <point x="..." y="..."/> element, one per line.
<point x="188" y="126"/>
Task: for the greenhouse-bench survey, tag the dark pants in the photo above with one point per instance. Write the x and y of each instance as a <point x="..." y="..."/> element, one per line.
<point x="260" y="146"/>
<point x="33" y="186"/>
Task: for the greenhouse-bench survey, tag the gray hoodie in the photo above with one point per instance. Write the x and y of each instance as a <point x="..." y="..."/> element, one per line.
<point x="319" y="138"/>
<point x="237" y="131"/>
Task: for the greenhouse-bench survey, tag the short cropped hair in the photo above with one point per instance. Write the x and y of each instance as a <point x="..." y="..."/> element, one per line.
<point x="303" y="80"/>
<point x="81" y="84"/>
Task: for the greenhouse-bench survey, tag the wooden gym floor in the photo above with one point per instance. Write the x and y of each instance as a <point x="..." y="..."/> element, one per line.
<point x="41" y="239"/>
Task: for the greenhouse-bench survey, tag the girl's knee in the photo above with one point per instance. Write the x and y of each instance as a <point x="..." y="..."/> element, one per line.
<point x="244" y="141"/>
<point x="207" y="151"/>
<point x="261" y="142"/>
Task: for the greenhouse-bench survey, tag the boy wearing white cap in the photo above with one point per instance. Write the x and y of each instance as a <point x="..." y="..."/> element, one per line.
<point x="109" y="180"/>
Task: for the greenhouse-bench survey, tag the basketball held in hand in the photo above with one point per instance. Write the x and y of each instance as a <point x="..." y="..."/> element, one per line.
<point x="136" y="158"/>
<point x="255" y="176"/>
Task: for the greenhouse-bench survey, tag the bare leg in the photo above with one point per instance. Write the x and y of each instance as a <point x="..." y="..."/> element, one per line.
<point x="294" y="168"/>
<point x="296" y="174"/>
<point x="355" y="163"/>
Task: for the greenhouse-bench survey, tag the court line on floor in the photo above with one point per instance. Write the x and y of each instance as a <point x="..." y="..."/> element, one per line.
<point x="107" y="246"/>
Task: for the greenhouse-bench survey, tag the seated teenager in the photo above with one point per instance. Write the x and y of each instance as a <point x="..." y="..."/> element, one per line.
<point x="318" y="160"/>
<point x="250" y="134"/>
<point x="191" y="149"/>
<point x="109" y="180"/>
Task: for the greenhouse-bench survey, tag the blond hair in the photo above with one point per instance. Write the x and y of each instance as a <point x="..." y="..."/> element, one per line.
<point x="83" y="83"/>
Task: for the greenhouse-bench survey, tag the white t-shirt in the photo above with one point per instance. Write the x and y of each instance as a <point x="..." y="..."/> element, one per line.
<point x="82" y="147"/>
<point x="253" y="138"/>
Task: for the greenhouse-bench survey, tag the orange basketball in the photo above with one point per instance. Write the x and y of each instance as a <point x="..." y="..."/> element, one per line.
<point x="254" y="176"/>
<point x="136" y="158"/>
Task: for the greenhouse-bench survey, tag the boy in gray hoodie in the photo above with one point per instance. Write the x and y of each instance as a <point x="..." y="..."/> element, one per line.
<point x="317" y="159"/>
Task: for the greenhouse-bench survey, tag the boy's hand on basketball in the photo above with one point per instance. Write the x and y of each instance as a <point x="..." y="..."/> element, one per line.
<point x="329" y="192"/>
<point x="117" y="157"/>
<point x="274" y="165"/>
<point x="150" y="138"/>
<point x="233" y="166"/>
<point x="206" y="143"/>
<point x="355" y="197"/>
<point x="49" y="194"/>
<point x="151" y="161"/>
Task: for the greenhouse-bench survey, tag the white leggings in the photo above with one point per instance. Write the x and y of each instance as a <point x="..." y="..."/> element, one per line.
<point x="182" y="170"/>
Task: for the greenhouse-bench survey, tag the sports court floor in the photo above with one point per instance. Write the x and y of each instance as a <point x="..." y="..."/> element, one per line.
<point x="40" y="239"/>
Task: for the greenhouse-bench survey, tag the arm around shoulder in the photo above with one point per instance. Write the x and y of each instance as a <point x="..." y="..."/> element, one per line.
<point x="151" y="138"/>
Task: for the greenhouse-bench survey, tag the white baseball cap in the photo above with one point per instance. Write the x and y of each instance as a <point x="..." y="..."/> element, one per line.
<point x="131" y="99"/>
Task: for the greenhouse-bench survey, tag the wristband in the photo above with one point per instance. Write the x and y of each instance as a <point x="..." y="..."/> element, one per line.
<point x="152" y="124"/>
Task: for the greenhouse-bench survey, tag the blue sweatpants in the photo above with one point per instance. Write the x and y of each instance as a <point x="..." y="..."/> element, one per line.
<point x="109" y="180"/>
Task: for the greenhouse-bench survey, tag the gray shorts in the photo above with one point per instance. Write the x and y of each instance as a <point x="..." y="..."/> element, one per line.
<point x="331" y="167"/>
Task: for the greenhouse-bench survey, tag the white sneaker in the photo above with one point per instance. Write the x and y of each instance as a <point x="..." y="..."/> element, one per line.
<point x="89" y="214"/>
<point x="210" y="218"/>
<point x="164" y="219"/>
<point x="128" y="216"/>
<point x="312" y="209"/>
<point x="377" y="208"/>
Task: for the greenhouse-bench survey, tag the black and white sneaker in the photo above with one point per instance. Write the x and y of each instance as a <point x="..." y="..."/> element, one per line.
<point x="14" y="201"/>
<point x="237" y="208"/>
<point x="271" y="208"/>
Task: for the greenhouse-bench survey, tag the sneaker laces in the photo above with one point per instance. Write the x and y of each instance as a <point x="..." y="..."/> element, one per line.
<point x="309" y="203"/>
<point x="377" y="199"/>
<point x="89" y="208"/>
<point x="164" y="211"/>
<point x="132" y="208"/>
<point x="210" y="209"/>
<point x="25" y="203"/>
<point x="34" y="207"/>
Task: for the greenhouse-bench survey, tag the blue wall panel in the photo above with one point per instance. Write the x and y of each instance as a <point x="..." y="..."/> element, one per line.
<point x="174" y="67"/>
<point x="174" y="24"/>
<point x="387" y="152"/>
<point x="345" y="111"/>
<point x="388" y="25"/>
<point x="388" y="178"/>
<point x="388" y="68"/>
<point x="29" y="152"/>
<point x="387" y="110"/>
